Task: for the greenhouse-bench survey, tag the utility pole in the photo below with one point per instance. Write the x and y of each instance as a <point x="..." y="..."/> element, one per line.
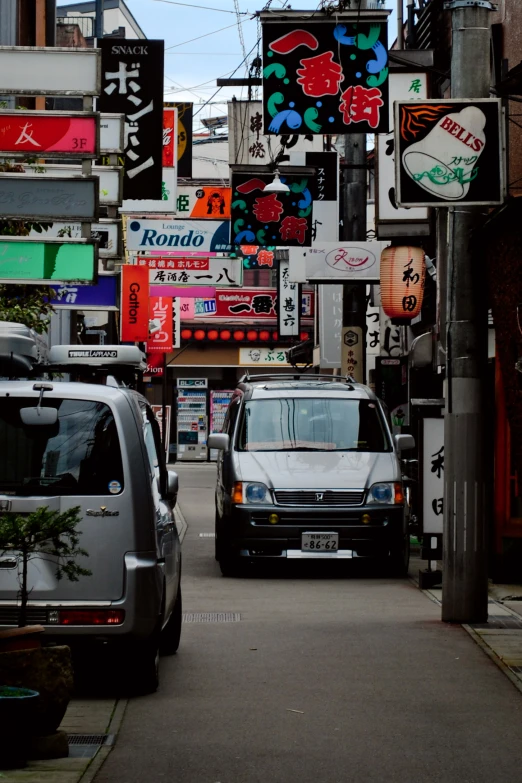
<point x="354" y="230"/>
<point x="98" y="19"/>
<point x="465" y="583"/>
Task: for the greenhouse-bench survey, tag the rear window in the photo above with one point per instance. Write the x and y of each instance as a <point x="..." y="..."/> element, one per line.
<point x="79" y="455"/>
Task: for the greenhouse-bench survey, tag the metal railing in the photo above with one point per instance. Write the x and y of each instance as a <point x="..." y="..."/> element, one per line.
<point x="85" y="23"/>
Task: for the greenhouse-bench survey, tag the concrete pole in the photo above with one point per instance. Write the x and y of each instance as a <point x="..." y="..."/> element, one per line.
<point x="465" y="583"/>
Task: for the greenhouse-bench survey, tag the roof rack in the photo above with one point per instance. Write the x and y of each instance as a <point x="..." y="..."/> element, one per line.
<point x="296" y="377"/>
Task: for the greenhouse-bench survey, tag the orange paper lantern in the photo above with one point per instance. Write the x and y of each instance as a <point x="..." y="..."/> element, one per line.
<point x="252" y="335"/>
<point x="213" y="334"/>
<point x="403" y="274"/>
<point x="225" y="334"/>
<point x="186" y="334"/>
<point x="199" y="334"/>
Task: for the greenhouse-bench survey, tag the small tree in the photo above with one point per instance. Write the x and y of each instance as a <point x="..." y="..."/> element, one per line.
<point x="43" y="534"/>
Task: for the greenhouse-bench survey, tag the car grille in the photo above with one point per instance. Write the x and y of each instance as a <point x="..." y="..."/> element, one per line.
<point x="333" y="520"/>
<point x="36" y="615"/>
<point x="330" y="497"/>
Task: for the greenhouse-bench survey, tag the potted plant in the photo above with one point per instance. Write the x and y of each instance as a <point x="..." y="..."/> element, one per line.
<point x="17" y="714"/>
<point x="52" y="536"/>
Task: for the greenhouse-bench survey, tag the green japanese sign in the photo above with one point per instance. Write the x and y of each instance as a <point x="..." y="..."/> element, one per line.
<point x="51" y="260"/>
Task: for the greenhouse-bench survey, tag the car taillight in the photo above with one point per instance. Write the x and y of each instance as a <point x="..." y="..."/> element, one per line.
<point x="89" y="617"/>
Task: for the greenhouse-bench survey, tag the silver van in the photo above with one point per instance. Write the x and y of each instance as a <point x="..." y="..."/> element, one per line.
<point x="308" y="468"/>
<point x="96" y="446"/>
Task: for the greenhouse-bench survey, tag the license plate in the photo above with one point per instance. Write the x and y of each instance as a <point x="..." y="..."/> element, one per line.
<point x="319" y="542"/>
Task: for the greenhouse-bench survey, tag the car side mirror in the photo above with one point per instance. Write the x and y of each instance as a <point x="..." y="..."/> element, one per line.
<point x="172" y="485"/>
<point x="219" y="441"/>
<point x="404" y="442"/>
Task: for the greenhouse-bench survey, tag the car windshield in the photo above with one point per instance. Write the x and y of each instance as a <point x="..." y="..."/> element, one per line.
<point x="79" y="455"/>
<point x="317" y="424"/>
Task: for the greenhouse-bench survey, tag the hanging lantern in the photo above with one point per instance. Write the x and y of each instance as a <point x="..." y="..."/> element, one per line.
<point x="252" y="335"/>
<point x="199" y="334"/>
<point x="186" y="334"/>
<point x="225" y="334"/>
<point x="213" y="334"/>
<point x="239" y="335"/>
<point x="264" y="335"/>
<point x="403" y="274"/>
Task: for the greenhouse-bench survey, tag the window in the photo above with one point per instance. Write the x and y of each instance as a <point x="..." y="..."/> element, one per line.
<point x="318" y="424"/>
<point x="79" y="455"/>
<point x="151" y="434"/>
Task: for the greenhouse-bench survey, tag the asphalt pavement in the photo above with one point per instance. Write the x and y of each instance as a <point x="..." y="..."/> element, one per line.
<point x="316" y="674"/>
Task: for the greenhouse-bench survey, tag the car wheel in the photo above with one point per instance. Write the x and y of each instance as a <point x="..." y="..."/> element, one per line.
<point x="142" y="673"/>
<point x="230" y="565"/>
<point x="171" y="634"/>
<point x="399" y="558"/>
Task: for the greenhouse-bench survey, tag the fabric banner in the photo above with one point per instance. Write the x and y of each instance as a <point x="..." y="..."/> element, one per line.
<point x="160" y="327"/>
<point x="134" y="303"/>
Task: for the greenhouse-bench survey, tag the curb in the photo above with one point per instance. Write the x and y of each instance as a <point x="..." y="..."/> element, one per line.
<point x="494" y="657"/>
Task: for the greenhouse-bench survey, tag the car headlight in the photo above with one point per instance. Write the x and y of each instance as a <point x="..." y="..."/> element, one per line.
<point x="251" y="492"/>
<point x="387" y="493"/>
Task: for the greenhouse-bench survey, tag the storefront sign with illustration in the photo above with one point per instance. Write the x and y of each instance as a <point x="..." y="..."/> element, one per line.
<point x="132" y="83"/>
<point x="432" y="475"/>
<point x="160" y="339"/>
<point x="449" y="152"/>
<point x="254" y="357"/>
<point x="222" y="272"/>
<point x="101" y="296"/>
<point x="55" y="133"/>
<point x="256" y="303"/>
<point x="271" y="219"/>
<point x="325" y="74"/>
<point x="134" y="304"/>
<point x="107" y="232"/>
<point x="203" y="202"/>
<point x="49" y="260"/>
<point x="336" y="261"/>
<point x="170" y="138"/>
<point x="288" y="295"/>
<point x="167" y="202"/>
<point x="184" y="140"/>
<point x="24" y="196"/>
<point x="178" y="237"/>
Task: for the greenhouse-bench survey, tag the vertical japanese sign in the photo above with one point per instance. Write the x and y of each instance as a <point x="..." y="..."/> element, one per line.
<point x="432" y="475"/>
<point x="170" y="138"/>
<point x="330" y="325"/>
<point x="352" y="353"/>
<point x="289" y="301"/>
<point x="160" y="326"/>
<point x="324" y="187"/>
<point x="134" y="303"/>
<point x="325" y="74"/>
<point x="184" y="140"/>
<point x="132" y="84"/>
<point x="176" y="322"/>
<point x="272" y="219"/>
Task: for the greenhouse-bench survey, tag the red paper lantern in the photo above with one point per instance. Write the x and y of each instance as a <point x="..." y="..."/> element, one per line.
<point x="186" y="334"/>
<point x="304" y="336"/>
<point x="264" y="335"/>
<point x="252" y="335"/>
<point x="213" y="334"/>
<point x="225" y="334"/>
<point x="275" y="336"/>
<point x="199" y="334"/>
<point x="403" y="274"/>
<point x="239" y="335"/>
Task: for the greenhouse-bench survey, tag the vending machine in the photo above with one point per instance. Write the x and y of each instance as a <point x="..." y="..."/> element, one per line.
<point x="192" y="419"/>
<point x="219" y="402"/>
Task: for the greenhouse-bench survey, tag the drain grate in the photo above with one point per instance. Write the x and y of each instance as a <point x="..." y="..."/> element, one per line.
<point x="211" y="617"/>
<point x="90" y="739"/>
<point x="207" y="535"/>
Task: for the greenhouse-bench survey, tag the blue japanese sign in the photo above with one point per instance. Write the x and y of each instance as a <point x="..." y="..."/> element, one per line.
<point x="101" y="296"/>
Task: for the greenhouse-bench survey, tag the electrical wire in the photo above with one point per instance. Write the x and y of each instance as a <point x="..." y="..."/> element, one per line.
<point x="233" y="72"/>
<point x="205" y="35"/>
<point x="204" y="7"/>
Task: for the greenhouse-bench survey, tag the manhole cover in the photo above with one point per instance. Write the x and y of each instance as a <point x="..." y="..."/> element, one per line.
<point x="207" y="535"/>
<point x="211" y="617"/>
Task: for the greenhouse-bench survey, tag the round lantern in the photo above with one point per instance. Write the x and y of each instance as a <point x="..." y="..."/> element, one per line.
<point x="199" y="334"/>
<point x="264" y="335"/>
<point x="275" y="336"/>
<point x="303" y="336"/>
<point x="225" y="334"/>
<point x="186" y="334"/>
<point x="239" y="335"/>
<point x="402" y="282"/>
<point x="252" y="336"/>
<point x="212" y="334"/>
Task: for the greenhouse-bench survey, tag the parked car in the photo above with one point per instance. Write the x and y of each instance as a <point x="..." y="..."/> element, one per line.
<point x="96" y="446"/>
<point x="308" y="468"/>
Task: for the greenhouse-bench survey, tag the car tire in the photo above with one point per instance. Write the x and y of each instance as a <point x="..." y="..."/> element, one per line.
<point x="230" y="565"/>
<point x="399" y="559"/>
<point x="171" y="634"/>
<point x="142" y="675"/>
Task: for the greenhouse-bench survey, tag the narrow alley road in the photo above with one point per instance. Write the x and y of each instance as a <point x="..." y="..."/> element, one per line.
<point x="316" y="678"/>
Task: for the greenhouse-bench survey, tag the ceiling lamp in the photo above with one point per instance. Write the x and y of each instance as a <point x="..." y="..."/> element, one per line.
<point x="276" y="186"/>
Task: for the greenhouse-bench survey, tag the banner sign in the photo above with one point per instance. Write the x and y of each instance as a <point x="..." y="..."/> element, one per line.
<point x="167" y="202"/>
<point x="255" y="303"/>
<point x="432" y="475"/>
<point x="275" y="218"/>
<point x="38" y="198"/>
<point x="160" y="338"/>
<point x="184" y="153"/>
<point x="179" y="237"/>
<point x="325" y="74"/>
<point x="132" y="83"/>
<point x="41" y="70"/>
<point x="170" y="138"/>
<point x="327" y="262"/>
<point x="176" y="321"/>
<point x="247" y="144"/>
<point x="449" y="152"/>
<point x="55" y="133"/>
<point x="288" y="296"/>
<point x="134" y="304"/>
<point x="204" y="202"/>
<point x="110" y="179"/>
<point x="112" y="128"/>
<point x="101" y="296"/>
<point x="107" y="232"/>
<point x="221" y="272"/>
<point x="26" y="261"/>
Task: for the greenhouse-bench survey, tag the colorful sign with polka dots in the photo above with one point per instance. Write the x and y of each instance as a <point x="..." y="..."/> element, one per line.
<point x="326" y="74"/>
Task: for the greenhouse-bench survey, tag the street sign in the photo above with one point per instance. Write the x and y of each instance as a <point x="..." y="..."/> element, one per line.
<point x="102" y="296"/>
<point x="38" y="198"/>
<point x="50" y="260"/>
<point x="178" y="237"/>
<point x="334" y="262"/>
<point x="449" y="152"/>
<point x="41" y="70"/>
<point x="107" y="232"/>
<point x="110" y="179"/>
<point x="49" y="134"/>
<point x="112" y="129"/>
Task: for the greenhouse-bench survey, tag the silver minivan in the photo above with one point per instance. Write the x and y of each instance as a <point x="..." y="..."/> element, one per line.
<point x="98" y="447"/>
<point x="308" y="468"/>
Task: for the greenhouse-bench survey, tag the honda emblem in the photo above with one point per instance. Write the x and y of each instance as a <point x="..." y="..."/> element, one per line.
<point x="319" y="496"/>
<point x="5" y="505"/>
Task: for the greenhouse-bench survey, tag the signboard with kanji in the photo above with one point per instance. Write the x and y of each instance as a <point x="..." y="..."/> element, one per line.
<point x="334" y="262"/>
<point x="325" y="74"/>
<point x="432" y="475"/>
<point x="449" y="152"/>
<point x="57" y="134"/>
<point x="271" y="219"/>
<point x="222" y="272"/>
<point x="255" y="303"/>
<point x="289" y="297"/>
<point x="253" y="357"/>
<point x="132" y="83"/>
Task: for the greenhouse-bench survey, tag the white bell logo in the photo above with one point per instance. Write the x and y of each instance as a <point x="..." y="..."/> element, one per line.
<point x="445" y="162"/>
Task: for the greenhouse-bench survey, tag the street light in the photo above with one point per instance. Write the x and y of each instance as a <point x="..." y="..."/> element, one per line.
<point x="276" y="186"/>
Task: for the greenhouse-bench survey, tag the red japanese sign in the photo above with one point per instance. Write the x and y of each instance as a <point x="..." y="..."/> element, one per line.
<point x="155" y="365"/>
<point x="173" y="263"/>
<point x="254" y="303"/>
<point x="169" y="137"/>
<point x="30" y="133"/>
<point x="134" y="303"/>
<point x="160" y="326"/>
